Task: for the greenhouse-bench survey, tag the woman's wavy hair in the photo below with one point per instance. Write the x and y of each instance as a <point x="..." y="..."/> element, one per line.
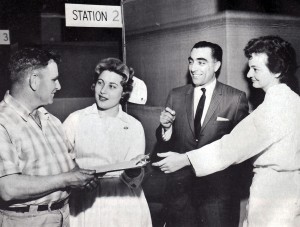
<point x="281" y="55"/>
<point x="117" y="66"/>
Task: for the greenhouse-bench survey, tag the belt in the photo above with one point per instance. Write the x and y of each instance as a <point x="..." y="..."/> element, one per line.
<point x="54" y="206"/>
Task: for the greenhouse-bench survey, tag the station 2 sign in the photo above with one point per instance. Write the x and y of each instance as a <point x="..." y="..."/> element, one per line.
<point x="82" y="15"/>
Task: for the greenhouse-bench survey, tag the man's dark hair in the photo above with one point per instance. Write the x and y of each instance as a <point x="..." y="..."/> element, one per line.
<point x="281" y="55"/>
<point x="216" y="50"/>
<point x="29" y="59"/>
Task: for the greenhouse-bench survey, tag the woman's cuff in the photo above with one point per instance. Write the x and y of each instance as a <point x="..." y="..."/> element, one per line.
<point x="133" y="182"/>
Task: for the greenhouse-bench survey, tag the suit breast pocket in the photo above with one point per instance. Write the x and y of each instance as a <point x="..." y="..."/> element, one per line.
<point x="222" y="127"/>
<point x="222" y="123"/>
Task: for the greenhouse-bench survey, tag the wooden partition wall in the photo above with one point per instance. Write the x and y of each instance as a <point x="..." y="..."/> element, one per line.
<point x="77" y="68"/>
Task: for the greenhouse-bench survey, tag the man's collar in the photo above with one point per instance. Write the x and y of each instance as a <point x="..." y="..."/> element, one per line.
<point x="209" y="86"/>
<point x="19" y="108"/>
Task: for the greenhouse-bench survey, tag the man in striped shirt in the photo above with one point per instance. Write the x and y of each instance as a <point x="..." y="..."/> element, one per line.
<point x="36" y="170"/>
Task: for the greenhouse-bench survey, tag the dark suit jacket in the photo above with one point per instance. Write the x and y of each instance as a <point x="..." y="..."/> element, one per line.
<point x="227" y="102"/>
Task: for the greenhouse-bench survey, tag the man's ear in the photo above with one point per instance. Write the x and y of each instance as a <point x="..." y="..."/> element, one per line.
<point x="217" y="66"/>
<point x="33" y="81"/>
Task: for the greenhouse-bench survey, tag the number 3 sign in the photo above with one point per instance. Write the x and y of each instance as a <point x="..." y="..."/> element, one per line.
<point x="4" y="37"/>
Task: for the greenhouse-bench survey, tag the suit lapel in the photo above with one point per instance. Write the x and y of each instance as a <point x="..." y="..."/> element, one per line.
<point x="215" y="100"/>
<point x="189" y="100"/>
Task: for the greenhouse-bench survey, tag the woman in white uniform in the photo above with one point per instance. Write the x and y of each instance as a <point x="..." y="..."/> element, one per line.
<point x="103" y="134"/>
<point x="270" y="134"/>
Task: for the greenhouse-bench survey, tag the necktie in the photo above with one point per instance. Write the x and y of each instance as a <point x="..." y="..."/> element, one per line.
<point x="199" y="112"/>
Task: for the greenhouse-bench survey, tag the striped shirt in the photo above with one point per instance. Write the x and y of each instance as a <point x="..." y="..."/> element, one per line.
<point x="29" y="149"/>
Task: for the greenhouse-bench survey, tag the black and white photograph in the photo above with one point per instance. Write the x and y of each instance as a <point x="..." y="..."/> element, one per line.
<point x="149" y="113"/>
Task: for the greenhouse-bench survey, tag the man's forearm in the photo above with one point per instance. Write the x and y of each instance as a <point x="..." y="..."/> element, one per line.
<point x="24" y="187"/>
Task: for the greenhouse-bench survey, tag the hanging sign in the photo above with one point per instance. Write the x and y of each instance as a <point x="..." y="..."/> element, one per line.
<point x="82" y="15"/>
<point x="4" y="37"/>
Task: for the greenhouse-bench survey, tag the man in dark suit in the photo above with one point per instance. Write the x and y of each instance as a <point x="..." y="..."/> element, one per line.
<point x="195" y="115"/>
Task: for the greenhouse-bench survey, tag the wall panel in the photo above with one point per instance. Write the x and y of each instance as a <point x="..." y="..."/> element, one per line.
<point x="159" y="57"/>
<point x="77" y="68"/>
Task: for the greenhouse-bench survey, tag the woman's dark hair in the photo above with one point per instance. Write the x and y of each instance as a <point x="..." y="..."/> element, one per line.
<point x="281" y="55"/>
<point x="117" y="66"/>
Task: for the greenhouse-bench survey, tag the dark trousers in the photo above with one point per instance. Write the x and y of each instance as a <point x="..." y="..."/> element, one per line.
<point x="178" y="209"/>
<point x="201" y="202"/>
<point x="215" y="206"/>
<point x="217" y="214"/>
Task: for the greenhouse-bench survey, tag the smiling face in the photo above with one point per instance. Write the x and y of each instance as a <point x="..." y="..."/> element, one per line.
<point x="260" y="74"/>
<point x="108" y="91"/>
<point x="202" y="66"/>
<point x="48" y="83"/>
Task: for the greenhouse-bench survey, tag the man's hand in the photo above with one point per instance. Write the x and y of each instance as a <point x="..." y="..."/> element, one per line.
<point x="172" y="161"/>
<point x="167" y="118"/>
<point x="81" y="179"/>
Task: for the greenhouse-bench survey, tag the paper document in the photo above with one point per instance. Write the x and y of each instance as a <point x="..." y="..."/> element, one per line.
<point x="137" y="163"/>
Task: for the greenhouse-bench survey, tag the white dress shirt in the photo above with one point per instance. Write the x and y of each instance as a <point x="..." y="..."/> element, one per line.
<point x="210" y="87"/>
<point x="208" y="93"/>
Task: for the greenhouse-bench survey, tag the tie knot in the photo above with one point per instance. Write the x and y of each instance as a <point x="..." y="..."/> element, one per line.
<point x="203" y="90"/>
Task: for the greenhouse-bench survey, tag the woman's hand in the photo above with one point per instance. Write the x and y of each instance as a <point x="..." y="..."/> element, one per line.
<point x="141" y="160"/>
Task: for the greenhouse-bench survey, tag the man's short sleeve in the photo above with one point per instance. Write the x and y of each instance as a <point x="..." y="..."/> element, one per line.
<point x="9" y="160"/>
<point x="70" y="125"/>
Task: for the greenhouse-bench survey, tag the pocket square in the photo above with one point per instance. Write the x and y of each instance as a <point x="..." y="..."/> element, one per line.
<point x="222" y="119"/>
